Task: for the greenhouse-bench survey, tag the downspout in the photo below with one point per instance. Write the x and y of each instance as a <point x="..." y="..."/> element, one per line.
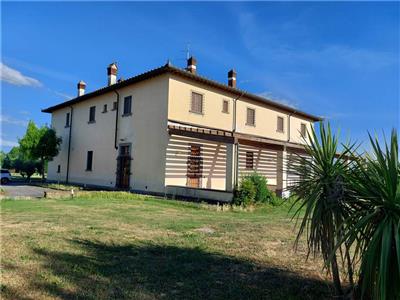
<point x="69" y="145"/>
<point x="116" y="122"/>
<point x="236" y="172"/>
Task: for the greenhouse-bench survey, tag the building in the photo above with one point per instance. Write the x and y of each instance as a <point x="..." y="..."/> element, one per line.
<point x="171" y="131"/>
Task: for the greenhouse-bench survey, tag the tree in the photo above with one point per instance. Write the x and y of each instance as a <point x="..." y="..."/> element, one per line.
<point x="47" y="147"/>
<point x="40" y="144"/>
<point x="2" y="157"/>
<point x="321" y="192"/>
<point x="373" y="226"/>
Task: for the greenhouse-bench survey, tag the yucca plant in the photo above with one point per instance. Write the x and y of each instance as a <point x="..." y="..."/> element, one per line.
<point x="321" y="193"/>
<point x="373" y="225"/>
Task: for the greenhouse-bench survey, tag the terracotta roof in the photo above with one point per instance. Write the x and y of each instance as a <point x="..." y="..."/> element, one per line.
<point x="168" y="68"/>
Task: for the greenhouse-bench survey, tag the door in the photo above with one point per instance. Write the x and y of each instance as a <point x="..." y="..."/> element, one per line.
<point x="123" y="167"/>
<point x="194" y="167"/>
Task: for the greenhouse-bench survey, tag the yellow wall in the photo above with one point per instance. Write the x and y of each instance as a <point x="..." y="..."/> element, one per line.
<point x="145" y="130"/>
<point x="180" y="91"/>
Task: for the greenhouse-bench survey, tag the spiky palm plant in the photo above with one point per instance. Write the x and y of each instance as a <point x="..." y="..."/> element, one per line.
<point x="374" y="220"/>
<point x="321" y="194"/>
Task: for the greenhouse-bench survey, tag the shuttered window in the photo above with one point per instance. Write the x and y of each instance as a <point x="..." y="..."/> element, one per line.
<point x="89" y="161"/>
<point x="251" y="117"/>
<point x="225" y="106"/>
<point x="128" y="105"/>
<point x="105" y="108"/>
<point x="303" y="129"/>
<point x="115" y="105"/>
<point x="92" y="114"/>
<point x="279" y="126"/>
<point x="196" y="103"/>
<point x="67" y="120"/>
<point x="249" y="160"/>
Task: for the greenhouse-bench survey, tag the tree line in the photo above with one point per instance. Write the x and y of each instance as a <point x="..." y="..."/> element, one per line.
<point x="38" y="146"/>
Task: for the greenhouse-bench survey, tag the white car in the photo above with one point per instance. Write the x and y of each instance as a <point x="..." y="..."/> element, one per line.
<point x="5" y="176"/>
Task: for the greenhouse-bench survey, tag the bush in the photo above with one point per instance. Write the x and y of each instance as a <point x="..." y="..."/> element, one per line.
<point x="246" y="193"/>
<point x="258" y="183"/>
<point x="263" y="194"/>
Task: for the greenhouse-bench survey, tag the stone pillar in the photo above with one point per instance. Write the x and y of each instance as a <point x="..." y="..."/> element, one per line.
<point x="230" y="167"/>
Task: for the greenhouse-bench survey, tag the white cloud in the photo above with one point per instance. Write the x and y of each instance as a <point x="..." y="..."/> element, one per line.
<point x="15" y="77"/>
<point x="6" y="143"/>
<point x="283" y="101"/>
<point x="65" y="96"/>
<point x="12" y="121"/>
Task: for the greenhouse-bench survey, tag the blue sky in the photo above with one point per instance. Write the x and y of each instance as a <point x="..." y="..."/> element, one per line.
<point x="337" y="60"/>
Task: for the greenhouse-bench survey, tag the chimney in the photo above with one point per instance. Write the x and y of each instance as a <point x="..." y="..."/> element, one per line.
<point x="81" y="88"/>
<point x="191" y="65"/>
<point x="112" y="74"/>
<point x="232" y="78"/>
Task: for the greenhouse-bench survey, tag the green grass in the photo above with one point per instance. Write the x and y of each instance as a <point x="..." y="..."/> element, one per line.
<point x="121" y="246"/>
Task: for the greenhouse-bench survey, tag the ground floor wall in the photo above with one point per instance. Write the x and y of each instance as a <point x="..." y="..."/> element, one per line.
<point x="212" y="162"/>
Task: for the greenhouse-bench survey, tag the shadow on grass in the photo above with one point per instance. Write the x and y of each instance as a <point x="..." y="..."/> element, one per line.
<point x="148" y="271"/>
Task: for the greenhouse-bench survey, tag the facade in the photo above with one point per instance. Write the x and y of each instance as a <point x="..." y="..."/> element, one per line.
<point x="172" y="132"/>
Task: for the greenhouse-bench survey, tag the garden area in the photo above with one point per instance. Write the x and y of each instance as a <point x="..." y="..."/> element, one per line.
<point x="110" y="245"/>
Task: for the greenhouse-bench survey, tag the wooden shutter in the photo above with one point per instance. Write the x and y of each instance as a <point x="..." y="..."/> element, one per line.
<point x="128" y="105"/>
<point x="249" y="160"/>
<point x="279" y="126"/>
<point x="225" y="106"/>
<point x="92" y="114"/>
<point x="197" y="103"/>
<point x="303" y="129"/>
<point x="251" y="117"/>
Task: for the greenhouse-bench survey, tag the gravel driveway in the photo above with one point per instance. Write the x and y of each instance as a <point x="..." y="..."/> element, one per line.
<point x="17" y="190"/>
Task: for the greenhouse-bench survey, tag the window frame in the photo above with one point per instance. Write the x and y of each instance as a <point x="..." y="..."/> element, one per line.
<point x="67" y="120"/>
<point x="105" y="108"/>
<point x="227" y="106"/>
<point x="202" y="103"/>
<point x="247" y="116"/>
<point x="90" y="114"/>
<point x="303" y="125"/>
<point x="249" y="165"/>
<point x="283" y="124"/>
<point x="89" y="167"/>
<point x="127" y="113"/>
<point x="115" y="105"/>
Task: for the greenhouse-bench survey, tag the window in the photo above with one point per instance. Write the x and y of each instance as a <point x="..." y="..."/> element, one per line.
<point x="194" y="167"/>
<point x="67" y="120"/>
<point x="89" y="161"/>
<point x="249" y="160"/>
<point x="303" y="129"/>
<point x="115" y="105"/>
<point x="127" y="106"/>
<point x="58" y="169"/>
<point x="279" y="125"/>
<point x="251" y="117"/>
<point x="197" y="103"/>
<point x="225" y="106"/>
<point x="92" y="114"/>
<point x="105" y="108"/>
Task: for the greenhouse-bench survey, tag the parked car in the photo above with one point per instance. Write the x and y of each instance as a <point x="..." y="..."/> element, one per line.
<point x="5" y="176"/>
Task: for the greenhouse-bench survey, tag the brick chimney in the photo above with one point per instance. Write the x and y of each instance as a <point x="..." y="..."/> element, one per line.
<point x="232" y="78"/>
<point x="191" y="65"/>
<point x="112" y="74"/>
<point x="81" y="88"/>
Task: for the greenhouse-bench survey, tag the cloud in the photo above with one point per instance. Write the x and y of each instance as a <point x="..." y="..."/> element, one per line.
<point x="65" y="96"/>
<point x="280" y="100"/>
<point x="12" y="121"/>
<point x="15" y="77"/>
<point x="6" y="143"/>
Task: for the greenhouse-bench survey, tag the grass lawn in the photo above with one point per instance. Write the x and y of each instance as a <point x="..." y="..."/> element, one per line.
<point x="121" y="246"/>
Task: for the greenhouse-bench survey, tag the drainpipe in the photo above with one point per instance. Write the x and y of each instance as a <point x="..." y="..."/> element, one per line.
<point x="69" y="145"/>
<point x="236" y="173"/>
<point x="116" y="122"/>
